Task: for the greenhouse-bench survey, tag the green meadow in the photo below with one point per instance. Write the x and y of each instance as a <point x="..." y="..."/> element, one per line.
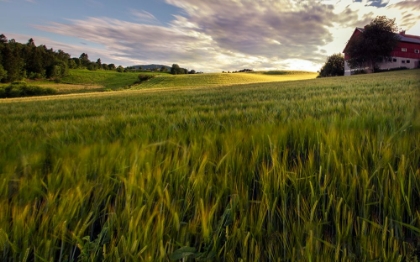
<point x="310" y="170"/>
<point x="85" y="81"/>
<point x="222" y="79"/>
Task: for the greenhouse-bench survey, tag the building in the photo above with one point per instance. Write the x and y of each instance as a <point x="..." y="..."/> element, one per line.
<point x="406" y="54"/>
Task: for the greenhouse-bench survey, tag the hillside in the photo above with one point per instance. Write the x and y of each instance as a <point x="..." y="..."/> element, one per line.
<point x="222" y="79"/>
<point x="86" y="81"/>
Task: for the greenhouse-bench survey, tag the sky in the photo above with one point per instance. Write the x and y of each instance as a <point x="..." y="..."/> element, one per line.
<point x="208" y="36"/>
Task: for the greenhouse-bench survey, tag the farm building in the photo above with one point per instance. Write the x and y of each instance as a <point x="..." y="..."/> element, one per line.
<point x="406" y="54"/>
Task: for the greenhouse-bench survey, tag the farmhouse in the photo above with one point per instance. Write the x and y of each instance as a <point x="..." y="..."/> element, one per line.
<point x="405" y="55"/>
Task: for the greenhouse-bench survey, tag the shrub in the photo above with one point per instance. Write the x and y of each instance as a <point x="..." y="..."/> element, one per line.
<point x="22" y="89"/>
<point x="34" y="76"/>
<point x="145" y="77"/>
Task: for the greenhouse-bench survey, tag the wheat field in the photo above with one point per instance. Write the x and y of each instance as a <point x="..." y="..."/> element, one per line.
<point x="310" y="170"/>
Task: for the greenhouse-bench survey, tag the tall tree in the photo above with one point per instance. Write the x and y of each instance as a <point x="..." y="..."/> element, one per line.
<point x="84" y="59"/>
<point x="334" y="66"/>
<point x="3" y="74"/>
<point x="12" y="63"/>
<point x="31" y="42"/>
<point x="3" y="39"/>
<point x="33" y="60"/>
<point x="377" y="41"/>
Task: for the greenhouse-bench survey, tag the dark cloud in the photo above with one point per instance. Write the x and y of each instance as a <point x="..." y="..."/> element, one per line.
<point x="262" y="28"/>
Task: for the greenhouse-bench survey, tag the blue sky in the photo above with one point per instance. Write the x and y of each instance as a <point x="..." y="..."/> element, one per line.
<point x="208" y="36"/>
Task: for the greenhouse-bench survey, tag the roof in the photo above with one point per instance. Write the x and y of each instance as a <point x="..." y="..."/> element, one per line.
<point x="402" y="37"/>
<point x="409" y="38"/>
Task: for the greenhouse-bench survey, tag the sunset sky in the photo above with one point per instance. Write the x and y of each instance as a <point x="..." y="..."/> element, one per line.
<point x="209" y="36"/>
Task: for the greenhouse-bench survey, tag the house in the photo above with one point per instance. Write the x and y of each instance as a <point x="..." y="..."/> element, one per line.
<point x="406" y="54"/>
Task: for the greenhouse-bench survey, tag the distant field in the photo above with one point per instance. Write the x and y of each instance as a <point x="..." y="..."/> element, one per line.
<point x="223" y="79"/>
<point x="312" y="170"/>
<point x="85" y="81"/>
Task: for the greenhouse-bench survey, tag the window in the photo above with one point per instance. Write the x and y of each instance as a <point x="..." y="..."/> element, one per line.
<point x="394" y="60"/>
<point x="403" y="61"/>
<point x="416" y="51"/>
<point x="408" y="61"/>
<point x="403" y="49"/>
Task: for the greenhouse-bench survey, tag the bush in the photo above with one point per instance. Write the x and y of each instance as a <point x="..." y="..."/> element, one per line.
<point x="35" y="76"/>
<point x="334" y="66"/>
<point x="21" y="89"/>
<point x="145" y="77"/>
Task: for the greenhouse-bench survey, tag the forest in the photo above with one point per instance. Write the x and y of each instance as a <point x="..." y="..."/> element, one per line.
<point x="20" y="61"/>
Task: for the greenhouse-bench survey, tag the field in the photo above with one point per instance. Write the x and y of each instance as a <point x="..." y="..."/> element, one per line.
<point x="85" y="81"/>
<point x="110" y="80"/>
<point x="217" y="79"/>
<point x="310" y="170"/>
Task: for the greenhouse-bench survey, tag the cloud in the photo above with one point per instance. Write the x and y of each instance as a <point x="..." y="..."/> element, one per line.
<point x="409" y="12"/>
<point x="233" y="34"/>
<point x="254" y="25"/>
<point x="144" y="16"/>
<point x="132" y="42"/>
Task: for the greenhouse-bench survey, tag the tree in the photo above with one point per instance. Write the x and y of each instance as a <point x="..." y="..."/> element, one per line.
<point x="33" y="60"/>
<point x="84" y="59"/>
<point x="3" y="73"/>
<point x="377" y="41"/>
<point x="12" y="63"/>
<point x="72" y="63"/>
<point x="334" y="66"/>
<point x="175" y="69"/>
<point x="92" y="66"/>
<point x="31" y="42"/>
<point x="120" y="69"/>
<point x="3" y="39"/>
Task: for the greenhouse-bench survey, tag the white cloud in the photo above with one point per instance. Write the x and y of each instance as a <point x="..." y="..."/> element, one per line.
<point x="144" y="16"/>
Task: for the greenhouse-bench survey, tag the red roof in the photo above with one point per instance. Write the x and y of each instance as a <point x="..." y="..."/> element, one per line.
<point x="415" y="39"/>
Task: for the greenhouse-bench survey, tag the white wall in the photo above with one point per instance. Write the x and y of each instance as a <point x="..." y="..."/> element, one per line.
<point x="400" y="62"/>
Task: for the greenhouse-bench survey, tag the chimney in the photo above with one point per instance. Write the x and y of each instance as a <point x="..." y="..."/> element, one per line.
<point x="402" y="32"/>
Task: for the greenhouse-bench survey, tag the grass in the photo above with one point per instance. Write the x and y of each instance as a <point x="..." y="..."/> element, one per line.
<point x="108" y="79"/>
<point x="313" y="170"/>
<point x="85" y="81"/>
<point x="217" y="79"/>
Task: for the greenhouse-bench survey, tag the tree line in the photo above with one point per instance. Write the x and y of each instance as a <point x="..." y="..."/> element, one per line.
<point x="177" y="70"/>
<point x="19" y="61"/>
